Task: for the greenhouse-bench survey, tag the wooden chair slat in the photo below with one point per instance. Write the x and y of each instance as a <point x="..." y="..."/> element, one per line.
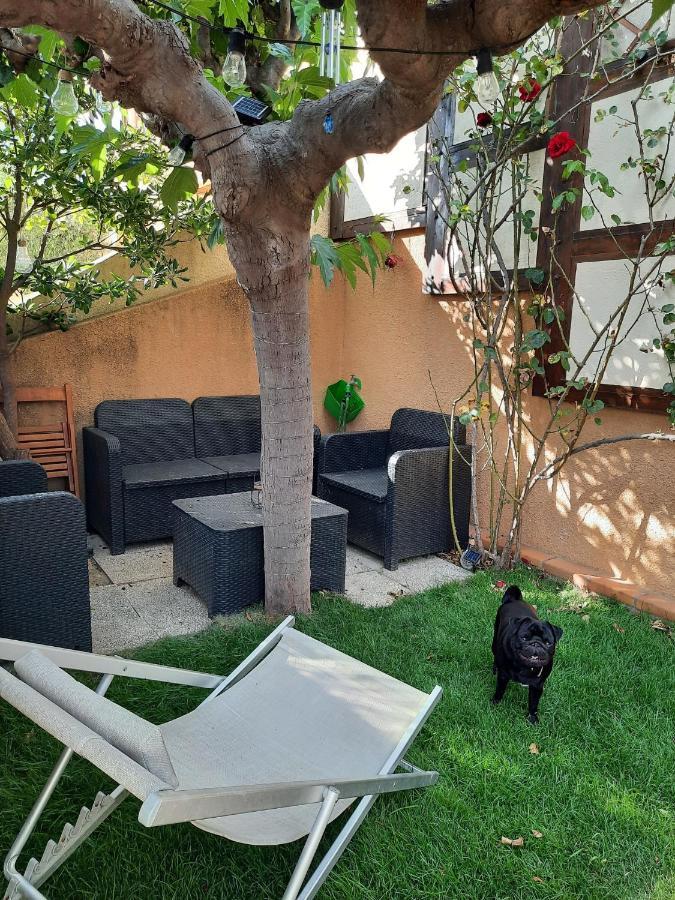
<point x="51" y="444"/>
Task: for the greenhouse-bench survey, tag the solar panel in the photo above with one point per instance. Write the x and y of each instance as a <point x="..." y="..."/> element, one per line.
<point x="250" y="111"/>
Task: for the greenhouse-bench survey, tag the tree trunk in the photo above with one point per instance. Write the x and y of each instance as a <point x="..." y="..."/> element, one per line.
<point x="9" y="424"/>
<point x="273" y="269"/>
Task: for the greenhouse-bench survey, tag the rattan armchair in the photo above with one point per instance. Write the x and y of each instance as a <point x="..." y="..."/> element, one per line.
<point x="21" y="476"/>
<point x="44" y="581"/>
<point x="394" y="483"/>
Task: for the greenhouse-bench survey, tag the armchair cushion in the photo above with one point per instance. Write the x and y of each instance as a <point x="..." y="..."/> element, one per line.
<point x="148" y="430"/>
<point x="371" y="484"/>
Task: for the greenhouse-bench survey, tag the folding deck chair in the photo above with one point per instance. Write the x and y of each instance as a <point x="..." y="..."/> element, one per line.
<point x="280" y="747"/>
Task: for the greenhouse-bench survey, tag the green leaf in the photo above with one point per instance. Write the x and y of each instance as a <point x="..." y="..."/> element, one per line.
<point x="587" y="212"/>
<point x="217" y="235"/>
<point x="369" y="254"/>
<point x="325" y="256"/>
<point x="659" y="8"/>
<point x="305" y="10"/>
<point x="234" y="11"/>
<point x="536" y="276"/>
<point x="49" y="40"/>
<point x="23" y="91"/>
<point x="198" y="8"/>
<point x="180" y="184"/>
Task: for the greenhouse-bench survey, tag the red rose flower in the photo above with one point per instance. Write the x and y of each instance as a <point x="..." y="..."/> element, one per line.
<point x="392" y="261"/>
<point x="483" y="120"/>
<point x="529" y="90"/>
<point x="560" y="144"/>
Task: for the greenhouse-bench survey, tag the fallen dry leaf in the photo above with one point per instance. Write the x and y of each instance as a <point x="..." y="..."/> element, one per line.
<point x="248" y="616"/>
<point x="537" y="879"/>
<point x="658" y="625"/>
<point x="534" y="749"/>
<point x="586" y="618"/>
<point x="618" y="628"/>
<point x="536" y="833"/>
<point x="512" y="842"/>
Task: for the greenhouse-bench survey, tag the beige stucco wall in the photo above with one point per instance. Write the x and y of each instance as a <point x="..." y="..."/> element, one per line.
<point x="613" y="508"/>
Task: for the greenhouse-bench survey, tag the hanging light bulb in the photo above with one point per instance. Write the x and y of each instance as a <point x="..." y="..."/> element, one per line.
<point x="23" y="265"/>
<point x="331" y="27"/>
<point x="103" y="106"/>
<point x="64" y="100"/>
<point x="487" y="86"/>
<point x="234" y="69"/>
<point x="177" y="154"/>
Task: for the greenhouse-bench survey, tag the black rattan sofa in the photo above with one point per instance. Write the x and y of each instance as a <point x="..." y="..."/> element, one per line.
<point x="144" y="454"/>
<point x="394" y="483"/>
<point x="44" y="582"/>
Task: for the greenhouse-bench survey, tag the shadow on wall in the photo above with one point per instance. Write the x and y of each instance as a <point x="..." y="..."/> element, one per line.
<point x="611" y="509"/>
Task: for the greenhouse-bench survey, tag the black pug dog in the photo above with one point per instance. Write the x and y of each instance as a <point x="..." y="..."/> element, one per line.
<point x="523" y="647"/>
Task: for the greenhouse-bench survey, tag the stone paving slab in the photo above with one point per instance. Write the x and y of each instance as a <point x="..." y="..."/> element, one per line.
<point x="429" y="571"/>
<point x="126" y="616"/>
<point x="372" y="589"/>
<point x="134" y="601"/>
<point x="361" y="561"/>
<point x="142" y="562"/>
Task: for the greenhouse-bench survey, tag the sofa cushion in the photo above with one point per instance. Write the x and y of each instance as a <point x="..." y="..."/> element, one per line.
<point x="149" y="430"/>
<point x="225" y="426"/>
<point x="237" y="464"/>
<point x="177" y="471"/>
<point x="369" y="483"/>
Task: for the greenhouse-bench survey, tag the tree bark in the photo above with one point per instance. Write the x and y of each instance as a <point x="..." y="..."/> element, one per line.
<point x="273" y="269"/>
<point x="148" y="66"/>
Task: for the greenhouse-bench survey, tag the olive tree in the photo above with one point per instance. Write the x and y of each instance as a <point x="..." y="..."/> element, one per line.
<point x="266" y="179"/>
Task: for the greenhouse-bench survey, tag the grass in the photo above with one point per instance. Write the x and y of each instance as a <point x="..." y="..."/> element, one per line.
<point x="601" y="790"/>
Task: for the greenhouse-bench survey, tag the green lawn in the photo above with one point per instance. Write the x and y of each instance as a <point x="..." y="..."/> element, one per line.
<point x="601" y="790"/>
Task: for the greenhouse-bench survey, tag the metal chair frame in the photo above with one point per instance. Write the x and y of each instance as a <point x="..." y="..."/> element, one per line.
<point x="163" y="807"/>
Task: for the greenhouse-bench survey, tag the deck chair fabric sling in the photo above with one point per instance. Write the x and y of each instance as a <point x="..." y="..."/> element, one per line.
<point x="281" y="747"/>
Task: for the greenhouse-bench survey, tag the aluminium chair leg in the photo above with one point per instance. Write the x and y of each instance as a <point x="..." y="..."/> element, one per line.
<point x="56" y="853"/>
<point x="311" y="844"/>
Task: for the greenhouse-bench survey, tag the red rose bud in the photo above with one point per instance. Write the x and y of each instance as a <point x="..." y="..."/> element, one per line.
<point x="483" y="120"/>
<point x="560" y="144"/>
<point x="529" y="91"/>
<point x="392" y="261"/>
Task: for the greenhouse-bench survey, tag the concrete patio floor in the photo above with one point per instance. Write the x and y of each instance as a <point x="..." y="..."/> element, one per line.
<point x="134" y="601"/>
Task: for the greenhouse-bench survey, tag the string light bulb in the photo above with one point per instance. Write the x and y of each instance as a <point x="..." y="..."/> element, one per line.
<point x="234" y="68"/>
<point x="487" y="86"/>
<point x="64" y="101"/>
<point x="183" y="147"/>
<point x="24" y="262"/>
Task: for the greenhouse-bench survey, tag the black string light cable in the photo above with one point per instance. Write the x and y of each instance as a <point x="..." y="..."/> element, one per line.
<point x="45" y="62"/>
<point x="300" y="42"/>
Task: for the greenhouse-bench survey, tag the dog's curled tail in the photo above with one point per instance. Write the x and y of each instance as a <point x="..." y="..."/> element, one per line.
<point x="511" y="594"/>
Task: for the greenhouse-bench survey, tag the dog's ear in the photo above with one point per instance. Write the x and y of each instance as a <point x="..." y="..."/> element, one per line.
<point x="558" y="632"/>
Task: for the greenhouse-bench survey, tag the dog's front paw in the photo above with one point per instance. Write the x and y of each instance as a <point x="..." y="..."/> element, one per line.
<point x="533" y="719"/>
<point x="495" y="700"/>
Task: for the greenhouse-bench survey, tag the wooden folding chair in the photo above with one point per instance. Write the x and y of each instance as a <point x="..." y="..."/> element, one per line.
<point x="53" y="444"/>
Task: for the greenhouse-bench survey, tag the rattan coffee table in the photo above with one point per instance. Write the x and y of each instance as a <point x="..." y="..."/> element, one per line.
<point x="218" y="549"/>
